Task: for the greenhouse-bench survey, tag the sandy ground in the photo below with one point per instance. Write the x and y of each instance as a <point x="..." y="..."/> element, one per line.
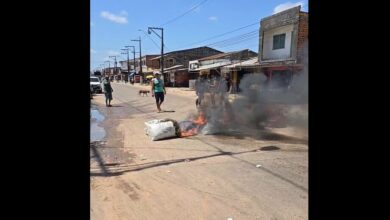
<point x="199" y="177"/>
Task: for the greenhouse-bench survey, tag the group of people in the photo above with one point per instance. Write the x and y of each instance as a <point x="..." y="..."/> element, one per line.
<point x="217" y="86"/>
<point x="158" y="90"/>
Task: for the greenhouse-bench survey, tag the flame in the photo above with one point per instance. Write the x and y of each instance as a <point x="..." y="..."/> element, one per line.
<point x="190" y="132"/>
<point x="201" y="120"/>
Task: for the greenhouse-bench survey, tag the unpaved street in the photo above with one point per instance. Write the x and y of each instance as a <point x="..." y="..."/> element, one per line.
<point x="199" y="177"/>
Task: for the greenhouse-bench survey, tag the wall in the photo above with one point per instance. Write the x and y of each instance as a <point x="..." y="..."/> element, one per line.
<point x="285" y="21"/>
<point x="152" y="64"/>
<point x="268" y="52"/>
<point x="183" y="57"/>
<point x="220" y="61"/>
<point x="123" y="65"/>
<point x="303" y="36"/>
<point x="182" y="78"/>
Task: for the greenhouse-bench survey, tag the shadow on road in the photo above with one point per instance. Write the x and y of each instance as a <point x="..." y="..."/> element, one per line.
<point x="137" y="167"/>
<point x="121" y="169"/>
<point x="98" y="157"/>
<point x="263" y="135"/>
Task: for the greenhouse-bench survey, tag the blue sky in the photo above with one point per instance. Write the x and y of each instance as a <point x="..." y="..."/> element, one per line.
<point x="186" y="23"/>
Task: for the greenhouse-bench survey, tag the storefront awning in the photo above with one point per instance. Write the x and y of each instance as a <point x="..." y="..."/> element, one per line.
<point x="211" y="66"/>
<point x="247" y="63"/>
<point x="173" y="67"/>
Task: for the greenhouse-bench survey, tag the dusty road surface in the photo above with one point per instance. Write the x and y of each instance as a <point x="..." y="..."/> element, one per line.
<point x="199" y="177"/>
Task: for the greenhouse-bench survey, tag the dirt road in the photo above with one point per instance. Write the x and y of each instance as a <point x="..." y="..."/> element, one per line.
<point x="199" y="177"/>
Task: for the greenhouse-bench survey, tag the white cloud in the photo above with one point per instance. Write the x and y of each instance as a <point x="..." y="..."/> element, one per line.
<point x="287" y="5"/>
<point x="123" y="13"/>
<point x="213" y="18"/>
<point x="93" y="51"/>
<point x="114" y="18"/>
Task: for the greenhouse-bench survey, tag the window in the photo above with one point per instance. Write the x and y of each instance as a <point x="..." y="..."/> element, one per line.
<point x="279" y="41"/>
<point x="171" y="62"/>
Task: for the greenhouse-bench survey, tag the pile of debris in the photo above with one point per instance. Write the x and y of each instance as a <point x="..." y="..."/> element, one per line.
<point x="222" y="119"/>
<point x="169" y="128"/>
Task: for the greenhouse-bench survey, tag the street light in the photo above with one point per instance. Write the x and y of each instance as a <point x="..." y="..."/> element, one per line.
<point x="150" y="29"/>
<point x="146" y="34"/>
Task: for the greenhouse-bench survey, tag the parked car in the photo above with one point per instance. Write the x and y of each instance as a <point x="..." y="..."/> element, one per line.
<point x="96" y="84"/>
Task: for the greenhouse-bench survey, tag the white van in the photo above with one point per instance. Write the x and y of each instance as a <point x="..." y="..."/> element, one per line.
<point x="95" y="84"/>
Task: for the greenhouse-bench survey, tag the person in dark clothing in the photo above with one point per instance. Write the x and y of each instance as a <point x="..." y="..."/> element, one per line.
<point x="200" y="89"/>
<point x="107" y="91"/>
<point x="228" y="83"/>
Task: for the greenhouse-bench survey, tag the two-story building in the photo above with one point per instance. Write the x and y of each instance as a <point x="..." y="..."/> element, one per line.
<point x="176" y="64"/>
<point x="214" y="65"/>
<point x="148" y="66"/>
<point x="283" y="43"/>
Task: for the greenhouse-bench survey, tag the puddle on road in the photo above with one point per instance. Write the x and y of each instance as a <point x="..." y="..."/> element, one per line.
<point x="97" y="132"/>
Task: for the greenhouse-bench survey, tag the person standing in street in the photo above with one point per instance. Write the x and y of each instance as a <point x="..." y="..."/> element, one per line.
<point x="213" y="88"/>
<point x="158" y="90"/>
<point x="107" y="91"/>
<point x="229" y="83"/>
<point x="200" y="88"/>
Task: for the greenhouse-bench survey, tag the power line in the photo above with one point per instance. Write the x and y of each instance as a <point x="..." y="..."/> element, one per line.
<point x="146" y="34"/>
<point x="229" y="41"/>
<point x="245" y="46"/>
<point x="191" y="9"/>
<point x="237" y="42"/>
<point x="239" y="37"/>
<point x="220" y="35"/>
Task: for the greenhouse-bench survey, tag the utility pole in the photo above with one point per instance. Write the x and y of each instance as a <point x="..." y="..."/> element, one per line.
<point x="101" y="70"/>
<point x="140" y="56"/>
<point x="133" y="56"/>
<point x="115" y="69"/>
<point x="108" y="67"/>
<point x="162" y="47"/>
<point x="128" y="61"/>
